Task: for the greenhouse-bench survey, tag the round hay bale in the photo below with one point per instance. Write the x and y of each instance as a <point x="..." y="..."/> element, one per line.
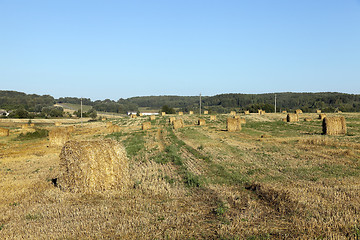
<point x="212" y="118"/>
<point x="191" y="112"/>
<point x="152" y="117"/>
<point x="146" y="125"/>
<point x="298" y="111"/>
<point x="232" y="113"/>
<point x="163" y="113"/>
<point x="318" y="111"/>
<point x="4" y="132"/>
<point x="93" y="166"/>
<point x="233" y="124"/>
<point x="334" y="125"/>
<point x="178" y="123"/>
<point x="322" y="116"/>
<point x="292" y="117"/>
<point x="201" y="122"/>
<point x="57" y="123"/>
<point x="114" y="128"/>
<point x="181" y="113"/>
<point x="171" y="120"/>
<point x="247" y="112"/>
<point x="59" y="136"/>
<point x="206" y="112"/>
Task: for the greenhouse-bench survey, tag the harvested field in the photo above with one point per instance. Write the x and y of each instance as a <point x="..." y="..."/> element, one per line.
<point x="271" y="180"/>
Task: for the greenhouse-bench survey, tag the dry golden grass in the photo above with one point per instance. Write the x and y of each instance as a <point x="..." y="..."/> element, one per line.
<point x="296" y="184"/>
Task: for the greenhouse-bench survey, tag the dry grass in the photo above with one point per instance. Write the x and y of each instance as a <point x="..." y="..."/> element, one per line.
<point x="296" y="184"/>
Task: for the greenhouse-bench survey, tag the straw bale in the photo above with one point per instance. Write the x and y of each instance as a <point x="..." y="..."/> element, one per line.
<point x="163" y="113"/>
<point x="338" y="111"/>
<point x="4" y="132"/>
<point x="93" y="166"/>
<point x="171" y="120"/>
<point x="32" y="125"/>
<point x="322" y="116"/>
<point x="247" y="112"/>
<point x="233" y="113"/>
<point x="334" y="125"/>
<point x="307" y="119"/>
<point x="292" y="117"/>
<point x="181" y="113"/>
<point x="298" y="111"/>
<point x="233" y="124"/>
<point x="236" y="116"/>
<point x="152" y="117"/>
<point x="284" y="112"/>
<point x="259" y="111"/>
<point x="206" y="112"/>
<point x="57" y="123"/>
<point x="140" y="114"/>
<point x="318" y="111"/>
<point x="201" y="122"/>
<point x="133" y="116"/>
<point x="212" y="118"/>
<point x="114" y="128"/>
<point x="178" y="123"/>
<point x="191" y="112"/>
<point x="25" y="126"/>
<point x="242" y="120"/>
<point x="58" y="136"/>
<point x="103" y="119"/>
<point x="146" y="125"/>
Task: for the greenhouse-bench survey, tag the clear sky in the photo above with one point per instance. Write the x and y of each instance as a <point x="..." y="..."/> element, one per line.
<point x="119" y="49"/>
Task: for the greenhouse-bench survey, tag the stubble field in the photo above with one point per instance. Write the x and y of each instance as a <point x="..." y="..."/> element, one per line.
<point x="271" y="180"/>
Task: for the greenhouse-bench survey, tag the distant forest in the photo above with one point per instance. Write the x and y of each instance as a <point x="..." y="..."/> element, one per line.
<point x="223" y="103"/>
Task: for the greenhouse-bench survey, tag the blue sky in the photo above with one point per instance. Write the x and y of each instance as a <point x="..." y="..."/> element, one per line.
<point x="120" y="49"/>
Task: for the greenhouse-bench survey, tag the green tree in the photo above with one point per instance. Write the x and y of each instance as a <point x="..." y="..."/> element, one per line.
<point x="167" y="109"/>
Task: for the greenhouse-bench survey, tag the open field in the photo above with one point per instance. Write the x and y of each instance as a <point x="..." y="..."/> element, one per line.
<point x="271" y="180"/>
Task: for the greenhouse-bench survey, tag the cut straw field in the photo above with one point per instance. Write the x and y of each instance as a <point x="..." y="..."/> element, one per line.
<point x="268" y="180"/>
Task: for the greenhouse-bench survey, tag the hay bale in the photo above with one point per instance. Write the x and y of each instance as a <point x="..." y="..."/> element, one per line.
<point x="57" y="124"/>
<point x="233" y="124"/>
<point x="318" y="111"/>
<point x="212" y="118"/>
<point x="133" y="116"/>
<point x="338" y="111"/>
<point x="171" y="120"/>
<point x="178" y="123"/>
<point x="259" y="111"/>
<point x="292" y="117"/>
<point x="334" y="125"/>
<point x="59" y="136"/>
<point x="307" y="119"/>
<point x="233" y="113"/>
<point x="114" y="128"/>
<point x="163" y="113"/>
<point x="191" y="112"/>
<point x="93" y="166"/>
<point x="32" y="125"/>
<point x="298" y="111"/>
<point x="4" y="132"/>
<point x="152" y="117"/>
<point x="140" y="114"/>
<point x="146" y="125"/>
<point x="285" y="112"/>
<point x="206" y="112"/>
<point x="247" y="112"/>
<point x="103" y="119"/>
<point x="322" y="116"/>
<point x="236" y="116"/>
<point x="25" y="126"/>
<point x="201" y="122"/>
<point x="242" y="120"/>
<point x="181" y="113"/>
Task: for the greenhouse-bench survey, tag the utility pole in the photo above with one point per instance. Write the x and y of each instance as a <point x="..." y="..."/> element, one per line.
<point x="200" y="104"/>
<point x="275" y="102"/>
<point x="81" y="111"/>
